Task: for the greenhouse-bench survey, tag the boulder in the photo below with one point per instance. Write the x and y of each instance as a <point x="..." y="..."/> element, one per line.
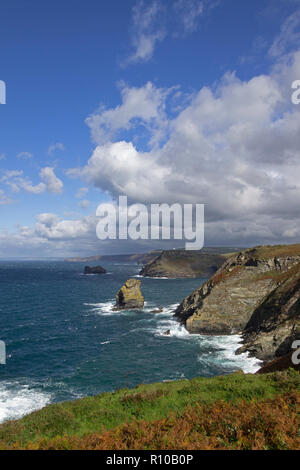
<point x="157" y="310"/>
<point x="94" y="270"/>
<point x="130" y="296"/>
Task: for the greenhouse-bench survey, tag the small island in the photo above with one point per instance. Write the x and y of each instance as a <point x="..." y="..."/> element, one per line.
<point x="130" y="296"/>
<point x="94" y="270"/>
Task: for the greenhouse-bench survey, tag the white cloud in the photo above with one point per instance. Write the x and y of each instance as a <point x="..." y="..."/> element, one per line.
<point x="144" y="106"/>
<point x="50" y="236"/>
<point x="151" y="23"/>
<point x="120" y="168"/>
<point x="146" y="30"/>
<point x="52" y="182"/>
<point x="189" y="12"/>
<point x="25" y="155"/>
<point x="16" y="180"/>
<point x="289" y="38"/>
<point x="54" y="147"/>
<point x="235" y="148"/>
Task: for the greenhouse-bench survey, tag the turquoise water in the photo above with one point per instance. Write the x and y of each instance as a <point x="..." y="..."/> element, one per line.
<point x="64" y="342"/>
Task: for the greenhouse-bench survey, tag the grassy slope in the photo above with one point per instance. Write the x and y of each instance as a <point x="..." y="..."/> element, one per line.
<point x="71" y="424"/>
<point x="272" y="251"/>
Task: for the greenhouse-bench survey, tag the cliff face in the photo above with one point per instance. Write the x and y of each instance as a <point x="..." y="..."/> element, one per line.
<point x="256" y="292"/>
<point x="181" y="264"/>
<point x="275" y="324"/>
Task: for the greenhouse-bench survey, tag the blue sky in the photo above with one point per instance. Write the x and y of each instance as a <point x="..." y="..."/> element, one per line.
<point x="147" y="80"/>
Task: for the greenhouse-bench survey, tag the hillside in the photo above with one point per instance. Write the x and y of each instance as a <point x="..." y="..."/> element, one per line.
<point x="255" y="293"/>
<point x="183" y="264"/>
<point x="122" y="258"/>
<point x="231" y="412"/>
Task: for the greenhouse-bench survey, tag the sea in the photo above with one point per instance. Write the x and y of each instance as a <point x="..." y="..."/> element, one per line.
<point x="64" y="341"/>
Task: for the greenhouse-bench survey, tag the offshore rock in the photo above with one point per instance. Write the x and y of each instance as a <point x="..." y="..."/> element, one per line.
<point x="94" y="270"/>
<point x="130" y="296"/>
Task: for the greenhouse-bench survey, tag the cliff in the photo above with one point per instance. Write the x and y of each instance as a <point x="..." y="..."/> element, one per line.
<point x="256" y="292"/>
<point x="183" y="264"/>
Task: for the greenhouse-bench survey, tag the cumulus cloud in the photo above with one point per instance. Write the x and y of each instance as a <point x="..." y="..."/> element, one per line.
<point x="234" y="147"/>
<point x="51" y="236"/>
<point x="52" y="182"/>
<point x="144" y="105"/>
<point x="16" y="180"/>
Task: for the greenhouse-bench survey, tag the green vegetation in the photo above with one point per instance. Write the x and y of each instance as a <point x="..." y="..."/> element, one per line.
<point x="272" y="251"/>
<point x="100" y="421"/>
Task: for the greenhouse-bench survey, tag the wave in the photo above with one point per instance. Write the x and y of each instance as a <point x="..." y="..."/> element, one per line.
<point x="102" y="308"/>
<point x="219" y="350"/>
<point x="17" y="400"/>
<point x="107" y="308"/>
<point x="224" y="347"/>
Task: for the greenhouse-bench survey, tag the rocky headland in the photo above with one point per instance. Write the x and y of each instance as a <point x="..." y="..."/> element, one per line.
<point x="130" y="296"/>
<point x="256" y="293"/>
<point x="183" y="264"/>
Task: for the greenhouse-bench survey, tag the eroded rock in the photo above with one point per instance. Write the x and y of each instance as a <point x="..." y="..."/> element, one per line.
<point x="130" y="296"/>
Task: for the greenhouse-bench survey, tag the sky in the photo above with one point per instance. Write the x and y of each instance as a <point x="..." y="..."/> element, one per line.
<point x="163" y="101"/>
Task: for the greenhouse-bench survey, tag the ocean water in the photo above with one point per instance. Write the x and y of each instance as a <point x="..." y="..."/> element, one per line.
<point x="64" y="342"/>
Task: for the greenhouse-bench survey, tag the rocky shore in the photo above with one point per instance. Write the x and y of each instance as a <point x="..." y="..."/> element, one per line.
<point x="255" y="293"/>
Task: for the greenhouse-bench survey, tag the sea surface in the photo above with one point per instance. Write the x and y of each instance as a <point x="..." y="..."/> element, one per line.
<point x="64" y="342"/>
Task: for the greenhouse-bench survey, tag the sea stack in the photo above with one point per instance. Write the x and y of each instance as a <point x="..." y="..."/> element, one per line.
<point x="130" y="296"/>
<point x="94" y="270"/>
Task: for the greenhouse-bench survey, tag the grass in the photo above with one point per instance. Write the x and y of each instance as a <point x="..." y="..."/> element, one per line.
<point x="272" y="251"/>
<point x="146" y="408"/>
<point x="268" y="425"/>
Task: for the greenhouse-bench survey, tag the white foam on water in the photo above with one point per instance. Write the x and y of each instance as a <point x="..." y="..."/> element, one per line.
<point x="17" y="400"/>
<point x="107" y="308"/>
<point x="221" y="348"/>
<point x="102" y="308"/>
<point x="226" y="347"/>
